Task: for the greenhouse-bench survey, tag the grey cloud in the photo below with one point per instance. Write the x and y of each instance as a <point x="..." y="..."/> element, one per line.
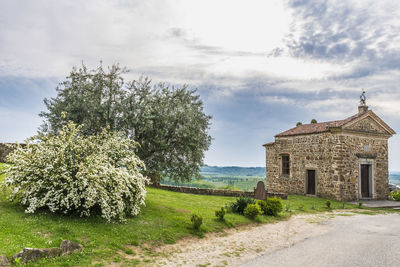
<point x="196" y="45"/>
<point x="276" y="52"/>
<point x="178" y="32"/>
<point x="338" y="31"/>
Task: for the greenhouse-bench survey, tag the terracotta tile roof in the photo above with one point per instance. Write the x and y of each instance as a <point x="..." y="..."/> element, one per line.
<point x="268" y="144"/>
<point x="317" y="127"/>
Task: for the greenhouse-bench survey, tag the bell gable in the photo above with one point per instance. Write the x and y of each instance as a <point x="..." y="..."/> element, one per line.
<point x="369" y="123"/>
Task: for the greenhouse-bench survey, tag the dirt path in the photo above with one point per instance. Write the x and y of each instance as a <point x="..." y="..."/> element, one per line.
<point x="234" y="246"/>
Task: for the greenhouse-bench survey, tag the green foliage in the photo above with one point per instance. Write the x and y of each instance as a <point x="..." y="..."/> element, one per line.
<point x="229" y="187"/>
<point x="196" y="220"/>
<point x="3" y="166"/>
<point x="251" y="211"/>
<point x="396" y="195"/>
<point x="299" y="123"/>
<point x="287" y="208"/>
<point x="71" y="173"/>
<point x="220" y="214"/>
<point x="17" y="261"/>
<point x="360" y="204"/>
<point x="273" y="206"/>
<point x="263" y="205"/>
<point x="313" y="121"/>
<point x="168" y="123"/>
<point x="241" y="203"/>
<point x="328" y="204"/>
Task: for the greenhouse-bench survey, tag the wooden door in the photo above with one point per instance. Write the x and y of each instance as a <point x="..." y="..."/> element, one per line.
<point x="311" y="182"/>
<point x="365" y="181"/>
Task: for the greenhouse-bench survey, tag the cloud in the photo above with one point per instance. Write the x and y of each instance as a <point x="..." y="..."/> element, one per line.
<point x="362" y="33"/>
<point x="196" y="45"/>
<point x="260" y="67"/>
<point x="278" y="100"/>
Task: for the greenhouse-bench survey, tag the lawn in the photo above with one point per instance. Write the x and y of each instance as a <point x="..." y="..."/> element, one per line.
<point x="165" y="219"/>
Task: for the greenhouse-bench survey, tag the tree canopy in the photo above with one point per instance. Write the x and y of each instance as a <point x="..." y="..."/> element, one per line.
<point x="168" y="123"/>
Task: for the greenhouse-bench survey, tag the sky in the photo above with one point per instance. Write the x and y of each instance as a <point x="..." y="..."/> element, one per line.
<point x="259" y="66"/>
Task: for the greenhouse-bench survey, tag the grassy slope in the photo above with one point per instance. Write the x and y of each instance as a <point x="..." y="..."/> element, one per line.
<point x="165" y="219"/>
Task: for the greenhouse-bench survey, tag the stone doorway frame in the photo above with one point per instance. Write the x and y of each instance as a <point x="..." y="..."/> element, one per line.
<point x="306" y="181"/>
<point x="370" y="162"/>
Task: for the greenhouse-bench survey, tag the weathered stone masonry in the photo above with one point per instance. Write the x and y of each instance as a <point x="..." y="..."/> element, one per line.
<point x="335" y="151"/>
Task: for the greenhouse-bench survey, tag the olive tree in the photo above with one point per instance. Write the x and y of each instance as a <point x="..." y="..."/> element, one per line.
<point x="167" y="122"/>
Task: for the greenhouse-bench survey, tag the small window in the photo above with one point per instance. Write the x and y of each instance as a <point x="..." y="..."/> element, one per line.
<point x="285" y="164"/>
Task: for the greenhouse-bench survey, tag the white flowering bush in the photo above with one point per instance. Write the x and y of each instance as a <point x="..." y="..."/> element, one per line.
<point x="72" y="173"/>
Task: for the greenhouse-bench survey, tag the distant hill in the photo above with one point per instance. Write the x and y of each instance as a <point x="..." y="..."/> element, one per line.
<point x="394" y="178"/>
<point x="233" y="171"/>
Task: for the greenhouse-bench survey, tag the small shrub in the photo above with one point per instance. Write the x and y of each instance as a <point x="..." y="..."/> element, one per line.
<point x="228" y="208"/>
<point x="220" y="214"/>
<point x="273" y="206"/>
<point x="263" y="206"/>
<point x="328" y="204"/>
<point x="313" y="207"/>
<point x="252" y="210"/>
<point x="396" y="195"/>
<point x="241" y="203"/>
<point x="197" y="221"/>
<point x="360" y="204"/>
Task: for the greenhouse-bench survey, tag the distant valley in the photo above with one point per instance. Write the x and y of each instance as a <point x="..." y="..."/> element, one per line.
<point x="394" y="178"/>
<point x="239" y="178"/>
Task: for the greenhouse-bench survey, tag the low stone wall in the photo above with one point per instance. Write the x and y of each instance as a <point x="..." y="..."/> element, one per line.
<point x="206" y="191"/>
<point x="214" y="192"/>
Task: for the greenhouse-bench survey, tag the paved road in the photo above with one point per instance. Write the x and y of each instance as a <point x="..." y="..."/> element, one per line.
<point x="360" y="240"/>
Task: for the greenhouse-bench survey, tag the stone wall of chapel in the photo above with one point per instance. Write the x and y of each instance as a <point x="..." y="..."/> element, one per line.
<point x="334" y="158"/>
<point x="375" y="146"/>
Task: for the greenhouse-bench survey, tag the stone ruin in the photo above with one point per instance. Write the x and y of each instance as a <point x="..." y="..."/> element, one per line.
<point x="33" y="254"/>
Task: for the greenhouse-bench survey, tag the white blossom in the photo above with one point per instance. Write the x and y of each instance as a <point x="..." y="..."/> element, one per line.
<point x="72" y="173"/>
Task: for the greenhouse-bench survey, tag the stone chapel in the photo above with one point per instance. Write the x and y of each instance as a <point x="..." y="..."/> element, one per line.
<point x="344" y="160"/>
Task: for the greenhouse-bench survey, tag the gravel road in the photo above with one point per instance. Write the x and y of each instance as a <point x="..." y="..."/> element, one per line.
<point x="359" y="240"/>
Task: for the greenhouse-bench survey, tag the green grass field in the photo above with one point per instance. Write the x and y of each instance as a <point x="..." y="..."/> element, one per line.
<point x="165" y="219"/>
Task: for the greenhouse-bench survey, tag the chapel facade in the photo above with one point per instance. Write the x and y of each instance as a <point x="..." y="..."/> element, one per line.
<point x="344" y="160"/>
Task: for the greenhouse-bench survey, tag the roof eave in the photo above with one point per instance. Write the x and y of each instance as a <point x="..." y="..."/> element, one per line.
<point x="268" y="144"/>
